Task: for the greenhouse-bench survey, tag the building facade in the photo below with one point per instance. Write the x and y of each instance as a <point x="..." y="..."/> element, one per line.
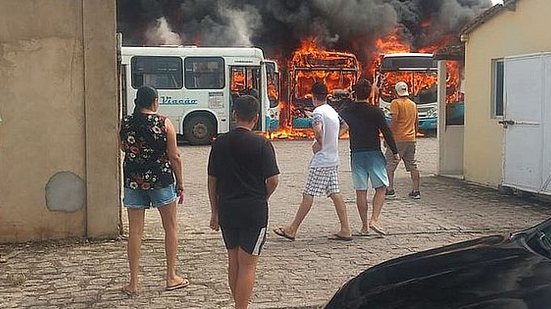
<point x="518" y="27"/>
<point x="59" y="153"/>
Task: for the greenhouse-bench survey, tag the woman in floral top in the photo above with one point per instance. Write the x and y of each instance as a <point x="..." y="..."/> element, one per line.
<point x="152" y="178"/>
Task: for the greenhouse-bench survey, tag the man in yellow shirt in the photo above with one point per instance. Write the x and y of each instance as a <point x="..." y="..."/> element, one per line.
<point x="404" y="127"/>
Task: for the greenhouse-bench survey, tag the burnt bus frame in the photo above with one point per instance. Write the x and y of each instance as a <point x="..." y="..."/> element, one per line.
<point x="292" y="74"/>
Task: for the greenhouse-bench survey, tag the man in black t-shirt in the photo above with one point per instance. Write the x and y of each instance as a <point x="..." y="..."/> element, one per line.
<point x="243" y="174"/>
<point x="365" y="123"/>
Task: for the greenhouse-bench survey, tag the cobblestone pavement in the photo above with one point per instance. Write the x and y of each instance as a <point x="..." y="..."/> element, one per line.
<point x="300" y="274"/>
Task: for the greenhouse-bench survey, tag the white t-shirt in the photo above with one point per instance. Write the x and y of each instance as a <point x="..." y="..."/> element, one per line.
<point x="328" y="156"/>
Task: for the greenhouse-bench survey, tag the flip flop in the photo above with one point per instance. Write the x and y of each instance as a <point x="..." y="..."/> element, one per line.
<point x="126" y="291"/>
<point x="180" y="285"/>
<point x="281" y="232"/>
<point x="379" y="230"/>
<point x="361" y="233"/>
<point x="340" y="237"/>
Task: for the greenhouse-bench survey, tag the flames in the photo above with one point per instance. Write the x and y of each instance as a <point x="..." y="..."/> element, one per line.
<point x="238" y="83"/>
<point x="339" y="70"/>
<point x="420" y="83"/>
<point x="309" y="64"/>
<point x="417" y="82"/>
<point x="453" y="82"/>
<point x="272" y="90"/>
<point x="310" y="55"/>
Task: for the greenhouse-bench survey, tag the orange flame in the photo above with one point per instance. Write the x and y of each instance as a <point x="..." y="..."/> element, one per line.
<point x="418" y="82"/>
<point x="453" y="82"/>
<point x="391" y="44"/>
<point x="339" y="70"/>
<point x="238" y="81"/>
<point x="309" y="64"/>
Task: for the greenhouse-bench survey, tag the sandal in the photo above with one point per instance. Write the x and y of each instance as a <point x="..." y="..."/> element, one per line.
<point x="126" y="290"/>
<point x="379" y="230"/>
<point x="180" y="285"/>
<point x="361" y="233"/>
<point x="340" y="237"/>
<point x="281" y="232"/>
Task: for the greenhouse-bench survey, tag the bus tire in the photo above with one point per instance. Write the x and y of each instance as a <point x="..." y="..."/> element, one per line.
<point x="199" y="130"/>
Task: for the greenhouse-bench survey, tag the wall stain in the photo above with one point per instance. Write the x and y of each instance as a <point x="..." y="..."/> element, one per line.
<point x="65" y="191"/>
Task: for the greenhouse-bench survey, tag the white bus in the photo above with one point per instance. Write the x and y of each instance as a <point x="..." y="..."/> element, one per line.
<point x="197" y="86"/>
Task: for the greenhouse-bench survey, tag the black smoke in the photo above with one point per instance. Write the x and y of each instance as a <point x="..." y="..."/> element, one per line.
<point x="278" y="26"/>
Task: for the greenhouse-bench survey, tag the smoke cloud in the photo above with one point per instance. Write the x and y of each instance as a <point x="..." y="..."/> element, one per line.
<point x="226" y="26"/>
<point x="278" y="26"/>
<point x="161" y="34"/>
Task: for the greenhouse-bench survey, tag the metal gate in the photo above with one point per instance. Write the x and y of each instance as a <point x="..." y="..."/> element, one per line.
<point x="527" y="149"/>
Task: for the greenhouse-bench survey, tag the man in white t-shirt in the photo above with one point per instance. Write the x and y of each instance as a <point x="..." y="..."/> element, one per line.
<point x="323" y="171"/>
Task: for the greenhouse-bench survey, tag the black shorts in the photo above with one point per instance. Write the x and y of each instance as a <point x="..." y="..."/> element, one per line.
<point x="251" y="240"/>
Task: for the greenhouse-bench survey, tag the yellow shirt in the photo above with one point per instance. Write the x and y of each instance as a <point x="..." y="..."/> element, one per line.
<point x="404" y="119"/>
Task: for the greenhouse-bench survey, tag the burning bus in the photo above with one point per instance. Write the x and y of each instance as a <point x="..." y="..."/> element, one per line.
<point x="420" y="72"/>
<point x="338" y="70"/>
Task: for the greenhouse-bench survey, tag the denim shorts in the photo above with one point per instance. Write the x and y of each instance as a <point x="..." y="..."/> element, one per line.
<point x="368" y="165"/>
<point x="138" y="198"/>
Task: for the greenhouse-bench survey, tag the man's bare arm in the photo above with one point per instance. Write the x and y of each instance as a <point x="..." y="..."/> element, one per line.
<point x="317" y="126"/>
<point x="271" y="185"/>
<point x="213" y="198"/>
<point x="343" y="128"/>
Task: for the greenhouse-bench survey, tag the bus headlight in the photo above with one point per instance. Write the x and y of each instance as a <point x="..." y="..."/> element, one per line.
<point x="274" y="114"/>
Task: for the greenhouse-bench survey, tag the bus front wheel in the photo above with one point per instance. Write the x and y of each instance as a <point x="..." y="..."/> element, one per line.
<point x="199" y="130"/>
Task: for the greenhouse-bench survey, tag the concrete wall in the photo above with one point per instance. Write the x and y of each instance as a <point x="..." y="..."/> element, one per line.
<point x="58" y="135"/>
<point x="450" y="137"/>
<point x="509" y="33"/>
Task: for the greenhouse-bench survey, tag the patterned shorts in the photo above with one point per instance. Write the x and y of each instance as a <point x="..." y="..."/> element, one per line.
<point x="322" y="181"/>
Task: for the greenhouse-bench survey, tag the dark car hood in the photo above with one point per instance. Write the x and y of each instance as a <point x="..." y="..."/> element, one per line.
<point x="489" y="272"/>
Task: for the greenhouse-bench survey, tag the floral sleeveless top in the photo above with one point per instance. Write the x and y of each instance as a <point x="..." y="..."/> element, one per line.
<point x="146" y="165"/>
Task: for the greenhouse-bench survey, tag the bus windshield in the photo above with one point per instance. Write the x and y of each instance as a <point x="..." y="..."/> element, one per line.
<point x="335" y="80"/>
<point x="419" y="72"/>
<point x="423" y="85"/>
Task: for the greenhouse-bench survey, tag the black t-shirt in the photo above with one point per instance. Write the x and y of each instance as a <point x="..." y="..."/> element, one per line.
<point x="365" y="121"/>
<point x="241" y="161"/>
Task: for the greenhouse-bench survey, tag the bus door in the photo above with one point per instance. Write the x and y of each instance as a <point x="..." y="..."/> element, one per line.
<point x="245" y="80"/>
<point x="272" y="86"/>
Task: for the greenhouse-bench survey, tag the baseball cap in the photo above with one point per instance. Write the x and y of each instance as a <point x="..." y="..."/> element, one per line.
<point x="402" y="89"/>
<point x="319" y="88"/>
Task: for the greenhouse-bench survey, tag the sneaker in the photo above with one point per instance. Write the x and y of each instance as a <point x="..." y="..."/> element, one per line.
<point x="415" y="195"/>
<point x="390" y="194"/>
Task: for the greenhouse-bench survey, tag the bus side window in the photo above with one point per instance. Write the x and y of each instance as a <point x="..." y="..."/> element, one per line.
<point x="157" y="71"/>
<point x="204" y="73"/>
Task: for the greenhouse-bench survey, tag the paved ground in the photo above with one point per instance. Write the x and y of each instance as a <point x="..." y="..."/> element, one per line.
<point x="303" y="273"/>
